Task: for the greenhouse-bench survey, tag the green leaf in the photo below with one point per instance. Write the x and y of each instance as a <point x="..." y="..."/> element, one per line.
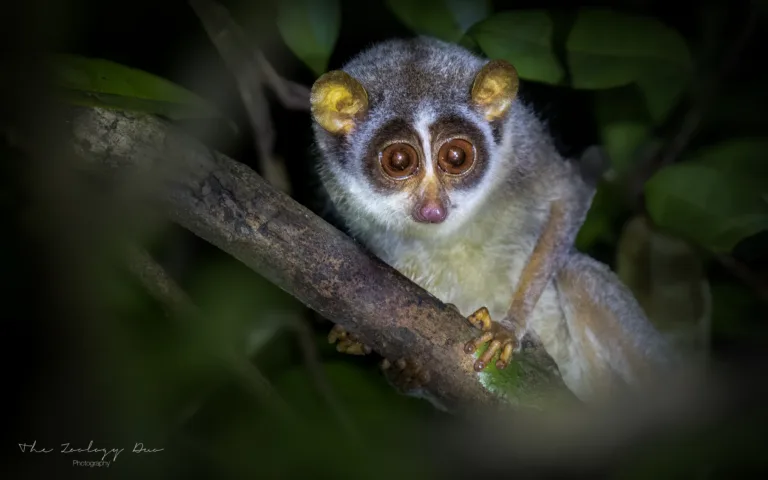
<point x="598" y="226"/>
<point x="717" y="198"/>
<point x="667" y="277"/>
<point x="242" y="311"/>
<point x="624" y="124"/>
<point x="607" y="49"/>
<point x="447" y="20"/>
<point x="310" y="28"/>
<point x="523" y="38"/>
<point x="102" y="83"/>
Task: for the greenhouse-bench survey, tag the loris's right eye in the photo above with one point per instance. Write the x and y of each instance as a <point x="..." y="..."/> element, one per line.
<point x="399" y="160"/>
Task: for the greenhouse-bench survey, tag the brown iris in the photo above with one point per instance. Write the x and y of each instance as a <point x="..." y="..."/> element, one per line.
<point x="399" y="160"/>
<point x="456" y="156"/>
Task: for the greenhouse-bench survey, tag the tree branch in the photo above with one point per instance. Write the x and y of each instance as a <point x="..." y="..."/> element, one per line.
<point x="230" y="206"/>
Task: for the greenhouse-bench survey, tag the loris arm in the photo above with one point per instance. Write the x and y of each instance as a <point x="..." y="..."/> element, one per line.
<point x="566" y="215"/>
<point x="553" y="247"/>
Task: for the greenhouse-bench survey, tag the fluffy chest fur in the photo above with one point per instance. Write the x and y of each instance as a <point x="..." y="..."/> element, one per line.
<point x="481" y="267"/>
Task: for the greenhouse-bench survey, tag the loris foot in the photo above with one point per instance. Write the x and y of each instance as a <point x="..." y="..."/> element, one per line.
<point x="347" y="342"/>
<point x="501" y="340"/>
<point x="404" y="375"/>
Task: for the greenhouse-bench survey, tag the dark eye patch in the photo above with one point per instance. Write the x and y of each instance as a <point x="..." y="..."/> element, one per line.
<point x="446" y="128"/>
<point x="394" y="131"/>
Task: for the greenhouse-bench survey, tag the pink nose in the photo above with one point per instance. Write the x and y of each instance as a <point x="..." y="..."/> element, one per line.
<point x="430" y="212"/>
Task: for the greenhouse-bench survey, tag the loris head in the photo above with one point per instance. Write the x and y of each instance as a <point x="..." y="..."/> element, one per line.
<point x="412" y="134"/>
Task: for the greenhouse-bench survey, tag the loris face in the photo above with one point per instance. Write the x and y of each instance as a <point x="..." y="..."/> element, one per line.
<point x="410" y="133"/>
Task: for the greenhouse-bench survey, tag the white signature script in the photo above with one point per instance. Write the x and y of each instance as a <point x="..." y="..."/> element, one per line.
<point x="67" y="448"/>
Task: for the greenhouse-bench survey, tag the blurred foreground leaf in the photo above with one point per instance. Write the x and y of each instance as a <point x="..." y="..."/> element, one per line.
<point x="607" y="49"/>
<point x="523" y="38"/>
<point x="716" y="197"/>
<point x="101" y="83"/>
<point x="243" y="311"/>
<point x="667" y="278"/>
<point x="310" y="28"/>
<point x="447" y="20"/>
<point x="255" y="442"/>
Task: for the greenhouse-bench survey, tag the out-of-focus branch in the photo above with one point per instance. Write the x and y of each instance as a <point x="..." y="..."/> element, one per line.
<point x="164" y="289"/>
<point x="229" y="205"/>
<point x="252" y="73"/>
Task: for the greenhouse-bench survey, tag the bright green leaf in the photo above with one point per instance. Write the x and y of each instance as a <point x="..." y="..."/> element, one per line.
<point x="447" y="20"/>
<point x="607" y="49"/>
<point x="310" y="28"/>
<point x="717" y="197"/>
<point x="102" y="83"/>
<point x="523" y="38"/>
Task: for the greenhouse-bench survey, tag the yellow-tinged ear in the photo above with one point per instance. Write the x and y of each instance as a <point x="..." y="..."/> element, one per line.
<point x="338" y="101"/>
<point x="495" y="88"/>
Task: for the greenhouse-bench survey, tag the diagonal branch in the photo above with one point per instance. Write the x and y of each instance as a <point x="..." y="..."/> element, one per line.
<point x="230" y="206"/>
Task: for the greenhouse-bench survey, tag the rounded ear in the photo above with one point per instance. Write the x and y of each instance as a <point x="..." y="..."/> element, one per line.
<point x="494" y="88"/>
<point x="338" y="101"/>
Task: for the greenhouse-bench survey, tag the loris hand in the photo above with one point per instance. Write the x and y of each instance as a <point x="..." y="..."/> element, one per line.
<point x="499" y="339"/>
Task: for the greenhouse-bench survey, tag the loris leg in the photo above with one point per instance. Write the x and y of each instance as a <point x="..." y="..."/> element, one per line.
<point x="544" y="261"/>
<point x="548" y="255"/>
<point x="614" y="343"/>
<point x="346" y="342"/>
<point x="402" y="374"/>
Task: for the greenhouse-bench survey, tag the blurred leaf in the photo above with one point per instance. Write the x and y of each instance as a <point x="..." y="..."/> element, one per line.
<point x="248" y="437"/>
<point x="154" y="374"/>
<point x="598" y="226"/>
<point x="523" y="38"/>
<point x="735" y="309"/>
<point x="310" y="28"/>
<point x="607" y="49"/>
<point x="624" y="125"/>
<point x="667" y="278"/>
<point x="733" y="110"/>
<point x="102" y="83"/>
<point x="717" y="197"/>
<point x="447" y="20"/>
<point x="242" y="310"/>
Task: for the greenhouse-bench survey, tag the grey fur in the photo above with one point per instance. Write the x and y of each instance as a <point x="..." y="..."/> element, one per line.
<point x="476" y="257"/>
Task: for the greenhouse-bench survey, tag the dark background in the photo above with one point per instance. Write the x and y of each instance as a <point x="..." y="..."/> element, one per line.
<point x="89" y="356"/>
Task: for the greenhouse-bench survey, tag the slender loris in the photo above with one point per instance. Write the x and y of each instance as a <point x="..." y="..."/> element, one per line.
<point x="434" y="164"/>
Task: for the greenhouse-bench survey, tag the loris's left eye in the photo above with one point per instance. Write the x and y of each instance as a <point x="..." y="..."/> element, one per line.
<point x="399" y="160"/>
<point x="456" y="156"/>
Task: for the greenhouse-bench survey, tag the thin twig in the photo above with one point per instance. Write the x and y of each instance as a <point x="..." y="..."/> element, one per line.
<point x="743" y="273"/>
<point x="231" y="43"/>
<point x="159" y="284"/>
<point x="164" y="289"/>
<point x="695" y="116"/>
<point x="292" y="95"/>
<point x="317" y="373"/>
<point x="672" y="151"/>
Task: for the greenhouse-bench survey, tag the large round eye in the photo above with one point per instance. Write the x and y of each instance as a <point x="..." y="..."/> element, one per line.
<point x="456" y="156"/>
<point x="399" y="160"/>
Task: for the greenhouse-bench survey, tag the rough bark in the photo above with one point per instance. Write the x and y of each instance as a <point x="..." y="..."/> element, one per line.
<point x="232" y="207"/>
